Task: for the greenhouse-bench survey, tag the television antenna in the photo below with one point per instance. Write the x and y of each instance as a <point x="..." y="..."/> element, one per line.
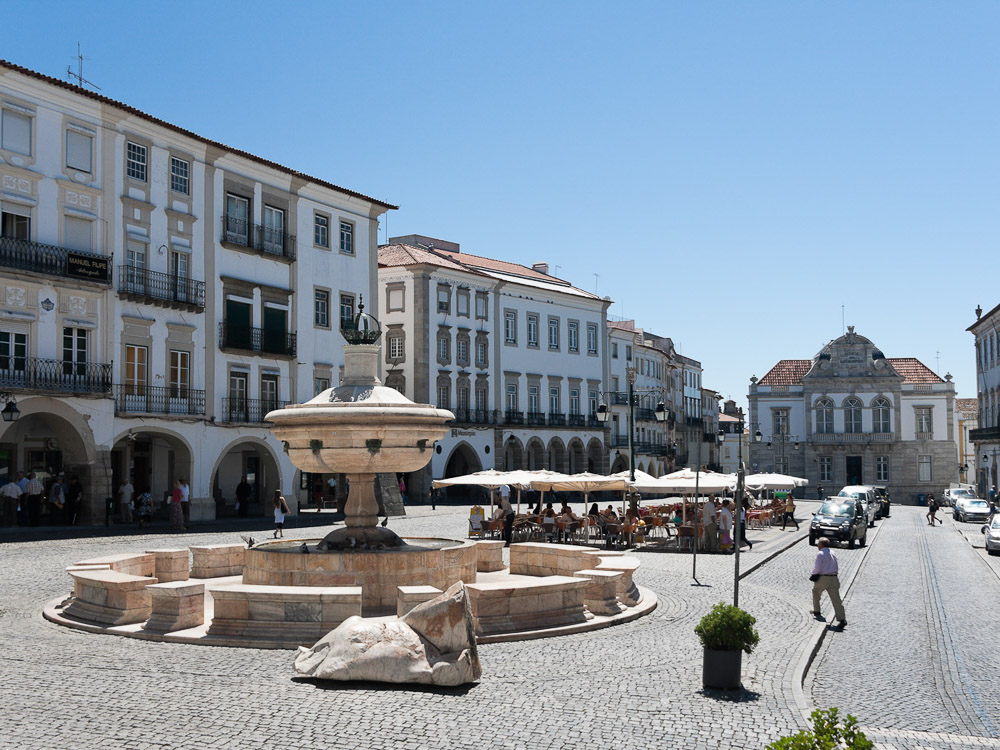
<point x="80" y="80"/>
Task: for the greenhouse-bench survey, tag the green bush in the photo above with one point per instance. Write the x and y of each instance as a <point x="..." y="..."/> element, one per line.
<point x="827" y="734"/>
<point x="728" y="628"/>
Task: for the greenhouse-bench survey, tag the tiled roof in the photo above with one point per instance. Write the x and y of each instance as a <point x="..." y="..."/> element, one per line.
<point x="723" y="417"/>
<point x="622" y="325"/>
<point x="790" y="371"/>
<point x="177" y="129"/>
<point x="407" y="255"/>
<point x="501" y="266"/>
<point x="966" y="404"/>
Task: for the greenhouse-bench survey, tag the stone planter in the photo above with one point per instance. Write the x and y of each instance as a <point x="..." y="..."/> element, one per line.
<point x="722" y="669"/>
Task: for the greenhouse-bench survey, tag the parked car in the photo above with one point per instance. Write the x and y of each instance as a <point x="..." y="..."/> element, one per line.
<point x="882" y="493"/>
<point x="959" y="501"/>
<point x="953" y="494"/>
<point x="866" y="495"/>
<point x="992" y="532"/>
<point x="840" y="519"/>
<point x="974" y="510"/>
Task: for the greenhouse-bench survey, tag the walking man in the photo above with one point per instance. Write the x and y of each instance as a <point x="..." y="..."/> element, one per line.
<point x="34" y="490"/>
<point x="508" y="515"/>
<point x="125" y="492"/>
<point x="10" y="495"/>
<point x="22" y="513"/>
<point x="789" y="514"/>
<point x="824" y="578"/>
<point x="186" y="503"/>
<point x="932" y="509"/>
<point x="243" y="492"/>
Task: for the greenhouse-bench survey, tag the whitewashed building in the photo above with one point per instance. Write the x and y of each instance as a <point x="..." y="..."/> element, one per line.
<point x="516" y="353"/>
<point x="161" y="292"/>
<point x="851" y="415"/>
<point x="986" y="437"/>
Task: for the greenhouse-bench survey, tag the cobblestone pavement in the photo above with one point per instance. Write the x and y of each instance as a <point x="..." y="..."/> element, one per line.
<point x="917" y="664"/>
<point x="631" y="686"/>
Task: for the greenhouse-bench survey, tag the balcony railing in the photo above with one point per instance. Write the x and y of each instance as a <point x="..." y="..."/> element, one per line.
<point x="853" y="437"/>
<point x="143" y="284"/>
<point x="618" y="399"/>
<point x="576" y="420"/>
<point x="54" y="375"/>
<point x="693" y="421"/>
<point x="512" y="416"/>
<point x="54" y="261"/>
<point x="240" y="232"/>
<point x="984" y="434"/>
<point x="475" y="416"/>
<point x="147" y="399"/>
<point x="256" y="340"/>
<point x="535" y="418"/>
<point x="557" y="420"/>
<point x="249" y="410"/>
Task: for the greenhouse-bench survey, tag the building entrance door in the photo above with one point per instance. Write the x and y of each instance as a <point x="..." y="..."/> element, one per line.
<point x="854" y="472"/>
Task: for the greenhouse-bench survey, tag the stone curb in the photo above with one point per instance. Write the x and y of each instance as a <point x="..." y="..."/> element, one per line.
<point x="816" y="640"/>
<point x="982" y="556"/>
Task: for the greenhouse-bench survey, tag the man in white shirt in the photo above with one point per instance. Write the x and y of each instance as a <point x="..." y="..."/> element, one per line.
<point x="125" y="493"/>
<point x="186" y="502"/>
<point x="824" y="578"/>
<point x="508" y="514"/>
<point x="10" y="493"/>
<point x="709" y="528"/>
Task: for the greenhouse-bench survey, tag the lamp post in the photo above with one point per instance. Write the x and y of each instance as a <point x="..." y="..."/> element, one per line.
<point x="737" y="521"/>
<point x="10" y="412"/>
<point x="782" y="439"/>
<point x="603" y="414"/>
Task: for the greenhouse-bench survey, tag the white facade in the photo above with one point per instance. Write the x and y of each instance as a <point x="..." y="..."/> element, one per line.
<point x="986" y="437"/>
<point x="203" y="311"/>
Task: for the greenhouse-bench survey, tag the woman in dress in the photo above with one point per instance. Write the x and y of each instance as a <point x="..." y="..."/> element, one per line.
<point x="176" y="514"/>
<point x="280" y="509"/>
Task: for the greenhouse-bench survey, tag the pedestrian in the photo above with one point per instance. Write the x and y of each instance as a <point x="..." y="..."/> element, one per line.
<point x="185" y="503"/>
<point x="789" y="514"/>
<point x="710" y="533"/>
<point x="280" y="510"/>
<point x="57" y="498"/>
<point x="74" y="500"/>
<point x="743" y="523"/>
<point x="144" y="505"/>
<point x="932" y="509"/>
<point x="402" y="489"/>
<point x="824" y="578"/>
<point x="35" y="490"/>
<point x="243" y="492"/>
<point x="819" y="492"/>
<point x="176" y="514"/>
<point x="125" y="493"/>
<point x="22" y="505"/>
<point x="725" y="526"/>
<point x="10" y="495"/>
<point x="508" y="515"/>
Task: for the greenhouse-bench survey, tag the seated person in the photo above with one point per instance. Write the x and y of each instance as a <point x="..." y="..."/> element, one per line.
<point x="498" y="514"/>
<point x="594" y="510"/>
<point x="549" y="524"/>
<point x="609" y="514"/>
<point x="678" y="519"/>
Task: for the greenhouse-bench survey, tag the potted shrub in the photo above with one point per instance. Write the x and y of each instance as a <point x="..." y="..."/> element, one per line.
<point x="725" y="632"/>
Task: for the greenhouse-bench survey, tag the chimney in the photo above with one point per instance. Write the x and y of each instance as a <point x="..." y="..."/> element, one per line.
<point x="541" y="268"/>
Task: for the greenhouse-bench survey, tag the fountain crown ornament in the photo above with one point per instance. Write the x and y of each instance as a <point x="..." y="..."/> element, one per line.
<point x="362" y="328"/>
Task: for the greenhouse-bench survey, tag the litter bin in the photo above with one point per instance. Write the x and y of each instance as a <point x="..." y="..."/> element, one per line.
<point x="921" y="499"/>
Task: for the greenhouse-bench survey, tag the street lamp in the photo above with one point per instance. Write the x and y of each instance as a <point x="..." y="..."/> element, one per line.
<point x="737" y="520"/>
<point x="603" y="414"/>
<point x="10" y="412"/>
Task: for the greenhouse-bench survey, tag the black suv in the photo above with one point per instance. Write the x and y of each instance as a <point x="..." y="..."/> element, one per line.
<point x="882" y="493"/>
<point x="840" y="520"/>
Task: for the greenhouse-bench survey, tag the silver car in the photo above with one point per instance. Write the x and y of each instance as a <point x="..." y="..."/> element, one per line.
<point x="992" y="532"/>
<point x="866" y="496"/>
<point x="973" y="510"/>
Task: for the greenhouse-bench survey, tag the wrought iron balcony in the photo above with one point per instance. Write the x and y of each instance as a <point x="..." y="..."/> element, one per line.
<point x="693" y="421"/>
<point x="984" y="434"/>
<point x="512" y="416"/>
<point x="594" y="422"/>
<point x="557" y="420"/>
<point x="174" y="291"/>
<point x="536" y="418"/>
<point x="852" y="437"/>
<point x="249" y="410"/>
<point x="256" y="340"/>
<point x="147" y="399"/>
<point x="241" y="233"/>
<point x="576" y="420"/>
<point x="618" y="398"/>
<point x="26" y="255"/>
<point x="54" y="375"/>
<point x="619" y="441"/>
<point x="475" y="416"/>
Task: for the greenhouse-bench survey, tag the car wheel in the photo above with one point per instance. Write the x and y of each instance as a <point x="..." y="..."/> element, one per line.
<point x="850" y="543"/>
<point x="994" y="551"/>
<point x="812" y="541"/>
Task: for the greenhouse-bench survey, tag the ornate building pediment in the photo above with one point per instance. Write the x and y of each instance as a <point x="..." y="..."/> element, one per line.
<point x="851" y="356"/>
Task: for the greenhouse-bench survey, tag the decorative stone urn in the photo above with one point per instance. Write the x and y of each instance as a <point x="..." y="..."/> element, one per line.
<point x="360" y="428"/>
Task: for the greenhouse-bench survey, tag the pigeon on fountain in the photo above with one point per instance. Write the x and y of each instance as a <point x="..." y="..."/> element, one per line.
<point x="250" y="541"/>
<point x="304" y="548"/>
<point x="385" y="522"/>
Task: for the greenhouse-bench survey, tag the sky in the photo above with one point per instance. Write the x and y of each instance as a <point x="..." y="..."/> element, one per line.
<point x="743" y="177"/>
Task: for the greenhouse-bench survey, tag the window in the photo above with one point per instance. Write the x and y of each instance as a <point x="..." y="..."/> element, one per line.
<point x="481" y="312"/>
<point x="462" y="350"/>
<point x="78" y="234"/>
<point x="881" y="409"/>
<point x="321" y="309"/>
<point x="510" y="327"/>
<point x="628" y="352"/>
<point x="15" y="226"/>
<point x="237" y="219"/>
<point x="444" y="299"/>
<point x="180" y="176"/>
<point x="480" y="398"/>
<point x="135" y="161"/>
<point x="79" y="148"/>
<point x="591" y="338"/>
<point x="269" y="392"/>
<point x="180" y="373"/>
<point x="347" y="237"/>
<point x="15" y="132"/>
<point x="924" y="468"/>
<point x="136" y="359"/>
<point x="462" y="394"/>
<point x="238" y="397"/>
<point x="532" y="319"/>
<point x="347" y="311"/>
<point x="881" y="468"/>
<point x="480" y="353"/>
<point x="179" y="265"/>
<point x="573" y="330"/>
<point x="320" y="385"/>
<point x="444" y="348"/>
<point x="824" y="416"/>
<point x="13" y="352"/>
<point x="462" y="300"/>
<point x="779" y="421"/>
<point x="574" y="401"/>
<point x="592" y="398"/>
<point x="614" y="350"/>
<point x="321" y="231"/>
<point x="511" y="397"/>
<point x="554" y="405"/>
<point x="395" y="347"/>
<point x="852" y="415"/>
<point x="781" y="465"/>
<point x="444" y="396"/>
<point x="924" y="424"/>
<point x="554" y="333"/>
<point x="274" y="230"/>
<point x="533" y="406"/>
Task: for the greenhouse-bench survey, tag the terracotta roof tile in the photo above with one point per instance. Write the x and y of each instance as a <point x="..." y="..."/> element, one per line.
<point x="177" y="129"/>
<point x="790" y="371"/>
<point x="501" y="266"/>
<point x="966" y="404"/>
<point x="407" y="255"/>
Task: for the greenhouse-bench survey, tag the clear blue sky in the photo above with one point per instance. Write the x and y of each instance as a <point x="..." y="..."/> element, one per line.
<point x="735" y="172"/>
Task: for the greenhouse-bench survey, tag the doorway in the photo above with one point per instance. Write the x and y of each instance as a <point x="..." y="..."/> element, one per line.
<point x="854" y="470"/>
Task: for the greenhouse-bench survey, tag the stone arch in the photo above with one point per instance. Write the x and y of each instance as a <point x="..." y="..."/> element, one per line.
<point x="536" y="454"/>
<point x="152" y="458"/>
<point x="577" y="456"/>
<point x="513" y="454"/>
<point x="620" y="463"/>
<point x="462" y="460"/>
<point x="596" y="456"/>
<point x="254" y="457"/>
<point x="556" y="455"/>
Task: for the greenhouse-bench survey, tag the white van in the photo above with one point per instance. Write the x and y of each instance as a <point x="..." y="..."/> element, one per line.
<point x="866" y="495"/>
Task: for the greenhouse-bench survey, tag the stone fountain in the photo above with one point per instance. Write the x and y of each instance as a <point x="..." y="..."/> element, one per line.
<point x="361" y="428"/>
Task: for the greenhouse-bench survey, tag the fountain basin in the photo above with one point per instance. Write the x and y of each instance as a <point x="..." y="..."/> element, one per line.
<point x="421" y="562"/>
